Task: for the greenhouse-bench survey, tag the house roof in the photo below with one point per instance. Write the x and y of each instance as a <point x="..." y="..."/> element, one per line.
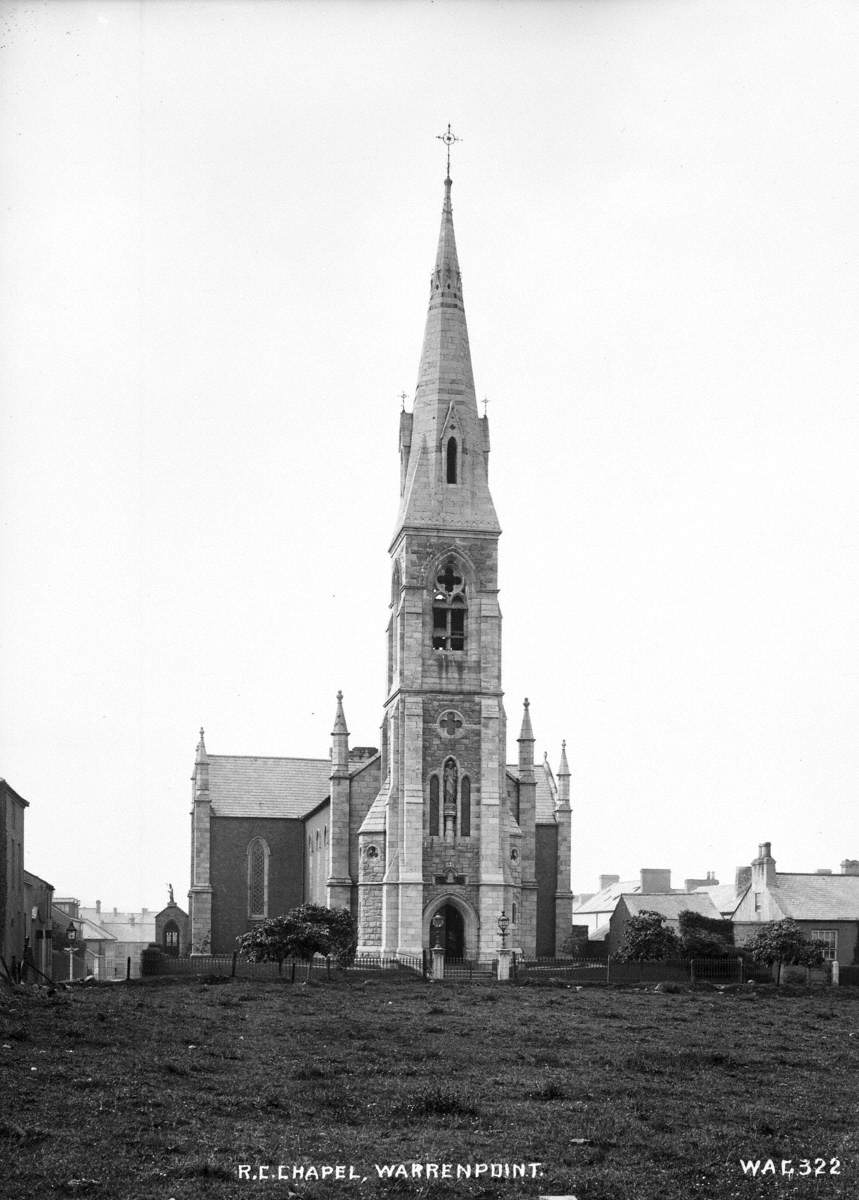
<point x="546" y="792"/>
<point x="724" y="895"/>
<point x="671" y="906"/>
<point x="605" y="900"/>
<point x="250" y="786"/>
<point x="817" y="897"/>
<point x="119" y="925"/>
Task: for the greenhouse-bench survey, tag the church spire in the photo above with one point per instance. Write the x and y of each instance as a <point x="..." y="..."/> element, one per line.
<point x="444" y="480"/>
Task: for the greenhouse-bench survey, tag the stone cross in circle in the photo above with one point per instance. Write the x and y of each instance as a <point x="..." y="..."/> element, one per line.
<point x="450" y="722"/>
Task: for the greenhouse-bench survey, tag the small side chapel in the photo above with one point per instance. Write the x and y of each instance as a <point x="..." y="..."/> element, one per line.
<point x="434" y="822"/>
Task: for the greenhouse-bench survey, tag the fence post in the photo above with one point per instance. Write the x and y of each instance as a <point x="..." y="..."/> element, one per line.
<point x="741" y="967"/>
<point x="835" y="972"/>
<point x="691" y="970"/>
<point x="128" y="968"/>
<point x="327" y="966"/>
<point x="608" y="969"/>
<point x="292" y="973"/>
<point x="233" y="966"/>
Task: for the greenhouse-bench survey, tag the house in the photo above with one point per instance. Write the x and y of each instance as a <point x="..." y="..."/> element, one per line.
<point x="127" y="936"/>
<point x="668" y="906"/>
<point x="13" y="929"/>
<point x="824" y="905"/>
<point x="38" y="923"/>
<point x="595" y="911"/>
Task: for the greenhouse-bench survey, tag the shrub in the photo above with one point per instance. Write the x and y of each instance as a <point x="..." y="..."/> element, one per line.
<point x="301" y="933"/>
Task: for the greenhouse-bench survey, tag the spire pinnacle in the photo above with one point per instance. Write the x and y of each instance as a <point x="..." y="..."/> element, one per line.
<point x="526" y="734"/>
<point x="201" y="748"/>
<point x="339" y="718"/>
<point x="564" y="766"/>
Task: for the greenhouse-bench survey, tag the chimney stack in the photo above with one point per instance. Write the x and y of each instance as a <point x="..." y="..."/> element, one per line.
<point x="607" y="881"/>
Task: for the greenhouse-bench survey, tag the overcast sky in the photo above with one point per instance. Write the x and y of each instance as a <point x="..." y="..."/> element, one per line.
<point x="218" y="223"/>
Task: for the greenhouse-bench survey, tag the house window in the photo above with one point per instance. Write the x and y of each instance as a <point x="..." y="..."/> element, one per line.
<point x="448" y="610"/>
<point x="829" y="938"/>
<point x="515" y="912"/>
<point x="451" y="460"/>
<point x="757" y="902"/>
<point x="465" y="807"/>
<point x="434" y="815"/>
<point x="258" y="855"/>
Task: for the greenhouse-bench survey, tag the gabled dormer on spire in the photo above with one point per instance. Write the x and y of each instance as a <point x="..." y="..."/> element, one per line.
<point x="444" y="447"/>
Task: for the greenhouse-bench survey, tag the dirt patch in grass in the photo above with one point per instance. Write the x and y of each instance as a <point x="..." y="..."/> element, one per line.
<point x="126" y="1093"/>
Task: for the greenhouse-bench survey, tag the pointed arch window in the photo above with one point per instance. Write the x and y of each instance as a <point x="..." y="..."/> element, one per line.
<point x="449" y="609"/>
<point x="258" y="858"/>
<point x="451" y="462"/>
<point x="465" y="807"/>
<point x="434" y="810"/>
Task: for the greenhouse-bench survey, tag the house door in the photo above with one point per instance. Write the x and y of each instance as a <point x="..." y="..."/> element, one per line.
<point x="453" y="934"/>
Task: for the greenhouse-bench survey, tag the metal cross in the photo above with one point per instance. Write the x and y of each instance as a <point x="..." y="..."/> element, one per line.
<point x="485" y="402"/>
<point x="404" y="397"/>
<point x="448" y="139"/>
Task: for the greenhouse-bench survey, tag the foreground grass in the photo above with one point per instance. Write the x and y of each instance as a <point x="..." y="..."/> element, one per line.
<point x="162" y="1089"/>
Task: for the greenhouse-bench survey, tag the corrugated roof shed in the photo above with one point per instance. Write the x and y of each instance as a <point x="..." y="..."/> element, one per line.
<point x="250" y="786"/>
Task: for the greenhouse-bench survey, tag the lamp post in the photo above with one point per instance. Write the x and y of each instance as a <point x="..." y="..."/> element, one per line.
<point x="71" y="947"/>
<point x="503" y="953"/>
<point x="437" y="924"/>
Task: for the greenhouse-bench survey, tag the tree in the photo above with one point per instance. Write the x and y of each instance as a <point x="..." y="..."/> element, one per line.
<point x="646" y="936"/>
<point x="301" y="933"/>
<point x="783" y="942"/>
<point x="705" y="937"/>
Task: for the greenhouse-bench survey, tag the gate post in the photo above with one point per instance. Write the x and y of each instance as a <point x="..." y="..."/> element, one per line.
<point x="437" y="963"/>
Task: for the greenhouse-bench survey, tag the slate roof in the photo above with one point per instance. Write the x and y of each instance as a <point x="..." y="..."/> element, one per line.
<point x="671" y="906"/>
<point x="250" y="786"/>
<point x="546" y="790"/>
<point x="120" y="926"/>
<point x="605" y="901"/>
<point x="724" y="896"/>
<point x="817" y="897"/>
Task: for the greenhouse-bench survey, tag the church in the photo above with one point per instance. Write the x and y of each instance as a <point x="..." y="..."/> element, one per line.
<point x="430" y="837"/>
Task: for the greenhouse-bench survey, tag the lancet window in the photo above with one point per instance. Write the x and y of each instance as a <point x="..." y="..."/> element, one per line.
<point x="451" y="461"/>
<point x="258" y="855"/>
<point x="449" y="610"/>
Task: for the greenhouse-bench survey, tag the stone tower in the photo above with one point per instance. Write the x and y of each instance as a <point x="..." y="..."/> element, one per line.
<point x="441" y="839"/>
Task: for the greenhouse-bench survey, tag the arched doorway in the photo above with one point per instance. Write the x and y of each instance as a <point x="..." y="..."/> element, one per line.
<point x="452" y="933"/>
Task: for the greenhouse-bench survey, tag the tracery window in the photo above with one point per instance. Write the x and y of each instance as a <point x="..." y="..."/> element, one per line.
<point x="258" y="855"/>
<point x="448" y="610"/>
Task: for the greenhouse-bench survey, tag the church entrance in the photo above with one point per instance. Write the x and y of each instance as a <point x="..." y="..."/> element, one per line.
<point x="452" y="934"/>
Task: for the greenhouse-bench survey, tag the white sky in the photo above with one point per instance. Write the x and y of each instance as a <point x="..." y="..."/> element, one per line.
<point x="218" y="223"/>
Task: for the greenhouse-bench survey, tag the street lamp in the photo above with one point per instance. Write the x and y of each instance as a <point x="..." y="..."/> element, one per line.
<point x="438" y="924"/>
<point x="71" y="947"/>
<point x="503" y="926"/>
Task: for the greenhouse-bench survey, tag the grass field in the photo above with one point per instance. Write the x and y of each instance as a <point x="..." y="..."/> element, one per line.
<point x="165" y="1089"/>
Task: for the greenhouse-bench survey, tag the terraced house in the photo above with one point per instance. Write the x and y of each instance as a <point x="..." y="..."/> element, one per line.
<point x="431" y="835"/>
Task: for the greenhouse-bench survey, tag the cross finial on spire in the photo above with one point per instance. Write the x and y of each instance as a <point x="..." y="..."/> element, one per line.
<point x="485" y="403"/>
<point x="404" y="397"/>
<point x="448" y="138"/>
